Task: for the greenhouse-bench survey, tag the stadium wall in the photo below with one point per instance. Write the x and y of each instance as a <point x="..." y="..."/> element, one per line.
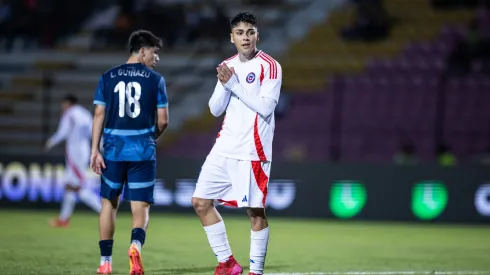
<point x="315" y="190"/>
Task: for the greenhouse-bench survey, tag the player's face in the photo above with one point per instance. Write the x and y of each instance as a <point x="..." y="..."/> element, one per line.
<point x="245" y="37"/>
<point x="150" y="56"/>
<point x="65" y="105"/>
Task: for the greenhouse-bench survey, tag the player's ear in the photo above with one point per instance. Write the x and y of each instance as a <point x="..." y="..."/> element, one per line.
<point x="231" y="38"/>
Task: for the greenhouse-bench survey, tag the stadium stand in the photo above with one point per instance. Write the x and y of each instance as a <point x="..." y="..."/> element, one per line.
<point x="357" y="101"/>
<point x="32" y="81"/>
<point x="347" y="100"/>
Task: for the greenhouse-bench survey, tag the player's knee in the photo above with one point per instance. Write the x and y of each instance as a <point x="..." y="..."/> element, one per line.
<point x="112" y="204"/>
<point x="202" y="206"/>
<point x="140" y="208"/>
<point x="72" y="187"/>
<point x="256" y="214"/>
<point x="258" y="219"/>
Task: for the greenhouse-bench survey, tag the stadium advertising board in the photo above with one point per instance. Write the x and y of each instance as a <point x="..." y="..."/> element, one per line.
<point x="359" y="192"/>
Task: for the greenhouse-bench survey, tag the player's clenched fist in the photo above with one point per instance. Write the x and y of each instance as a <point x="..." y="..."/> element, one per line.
<point x="97" y="163"/>
<point x="224" y="73"/>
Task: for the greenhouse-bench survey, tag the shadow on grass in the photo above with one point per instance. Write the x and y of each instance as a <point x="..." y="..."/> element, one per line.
<point x="191" y="270"/>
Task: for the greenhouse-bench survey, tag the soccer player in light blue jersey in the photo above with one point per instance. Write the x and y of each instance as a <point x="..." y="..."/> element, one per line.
<point x="131" y="109"/>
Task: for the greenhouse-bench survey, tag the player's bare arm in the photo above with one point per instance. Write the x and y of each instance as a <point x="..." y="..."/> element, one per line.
<point x="263" y="105"/>
<point x="162" y="122"/>
<point x="96" y="159"/>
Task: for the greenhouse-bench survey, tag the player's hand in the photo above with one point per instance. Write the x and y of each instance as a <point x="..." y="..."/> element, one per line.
<point x="225" y="73"/>
<point x="97" y="163"/>
<point x="47" y="146"/>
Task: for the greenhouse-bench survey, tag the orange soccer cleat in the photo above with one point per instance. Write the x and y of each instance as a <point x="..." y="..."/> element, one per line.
<point x="135" y="261"/>
<point x="59" y="223"/>
<point x="106" y="268"/>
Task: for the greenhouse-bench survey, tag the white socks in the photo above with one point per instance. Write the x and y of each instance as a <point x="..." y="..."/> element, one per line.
<point x="138" y="244"/>
<point x="258" y="245"/>
<point x="258" y="250"/>
<point x="104" y="259"/>
<point x="91" y="199"/>
<point x="67" y="205"/>
<point x="219" y="241"/>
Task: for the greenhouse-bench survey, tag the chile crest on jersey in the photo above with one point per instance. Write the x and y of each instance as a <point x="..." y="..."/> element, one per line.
<point x="250" y="77"/>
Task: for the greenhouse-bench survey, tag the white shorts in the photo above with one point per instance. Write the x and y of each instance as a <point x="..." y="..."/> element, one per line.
<point x="232" y="182"/>
<point x="75" y="171"/>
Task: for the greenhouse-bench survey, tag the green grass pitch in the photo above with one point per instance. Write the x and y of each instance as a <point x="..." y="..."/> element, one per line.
<point x="176" y="244"/>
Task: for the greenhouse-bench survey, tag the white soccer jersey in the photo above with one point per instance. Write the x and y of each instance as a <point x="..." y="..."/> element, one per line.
<point x="76" y="128"/>
<point x="249" y="99"/>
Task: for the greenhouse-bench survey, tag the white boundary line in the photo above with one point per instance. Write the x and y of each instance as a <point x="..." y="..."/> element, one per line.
<point x="461" y="272"/>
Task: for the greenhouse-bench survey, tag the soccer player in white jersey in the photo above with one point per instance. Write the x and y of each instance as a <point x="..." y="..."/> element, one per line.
<point x="236" y="171"/>
<point x="75" y="128"/>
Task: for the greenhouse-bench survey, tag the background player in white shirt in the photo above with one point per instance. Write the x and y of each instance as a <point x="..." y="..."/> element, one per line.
<point x="236" y="172"/>
<point x="75" y="128"/>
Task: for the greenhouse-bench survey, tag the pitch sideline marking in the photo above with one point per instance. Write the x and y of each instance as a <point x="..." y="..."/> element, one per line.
<point x="461" y="272"/>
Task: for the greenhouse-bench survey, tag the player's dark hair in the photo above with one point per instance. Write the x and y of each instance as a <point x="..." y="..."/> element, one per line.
<point x="245" y="17"/>
<point x="143" y="39"/>
<point x="71" y="99"/>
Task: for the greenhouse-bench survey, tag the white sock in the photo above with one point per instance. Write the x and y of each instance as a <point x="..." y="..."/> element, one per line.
<point x="91" y="199"/>
<point x="138" y="244"/>
<point x="218" y="240"/>
<point x="258" y="250"/>
<point x="67" y="205"/>
<point x="104" y="259"/>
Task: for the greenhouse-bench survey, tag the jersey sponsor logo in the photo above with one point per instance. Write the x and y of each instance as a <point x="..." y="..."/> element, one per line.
<point x="250" y="77"/>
